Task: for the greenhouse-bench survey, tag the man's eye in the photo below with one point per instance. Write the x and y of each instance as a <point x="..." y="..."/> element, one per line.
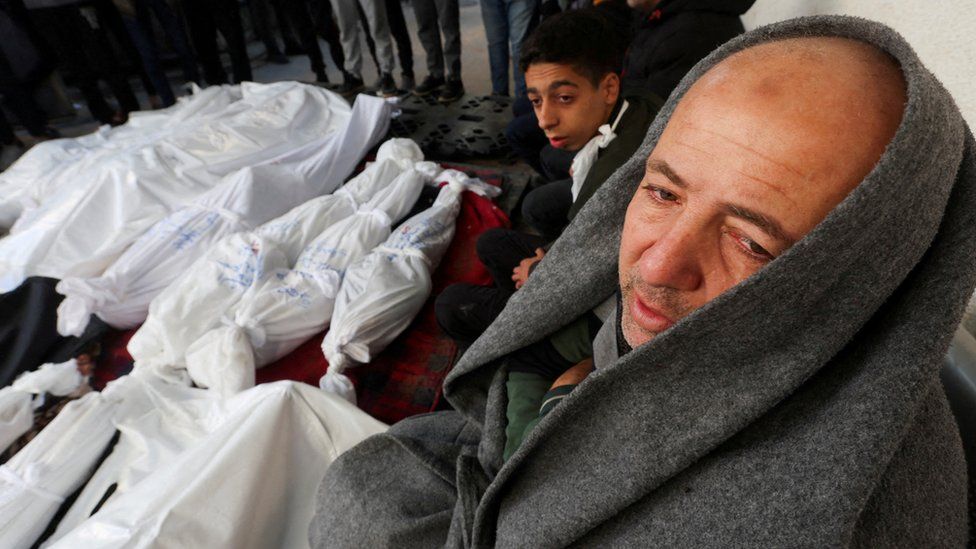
<point x="565" y="98"/>
<point x="535" y="102"/>
<point x="753" y="248"/>
<point x="662" y="195"/>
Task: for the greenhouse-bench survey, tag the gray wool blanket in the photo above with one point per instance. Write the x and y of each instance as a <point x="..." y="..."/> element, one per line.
<point x="800" y="408"/>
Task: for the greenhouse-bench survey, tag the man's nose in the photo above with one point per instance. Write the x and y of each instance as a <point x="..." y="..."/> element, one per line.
<point x="674" y="260"/>
<point x="547" y="116"/>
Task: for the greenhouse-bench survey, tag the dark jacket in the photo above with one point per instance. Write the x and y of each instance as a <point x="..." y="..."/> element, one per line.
<point x="630" y="133"/>
<point x="672" y="38"/>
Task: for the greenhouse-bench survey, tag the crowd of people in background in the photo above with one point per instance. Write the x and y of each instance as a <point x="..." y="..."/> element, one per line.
<point x="93" y="42"/>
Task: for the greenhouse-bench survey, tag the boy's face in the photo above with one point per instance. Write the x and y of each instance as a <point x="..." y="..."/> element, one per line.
<point x="569" y="107"/>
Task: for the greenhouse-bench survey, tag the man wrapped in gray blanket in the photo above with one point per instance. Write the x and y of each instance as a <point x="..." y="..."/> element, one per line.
<point x="792" y="248"/>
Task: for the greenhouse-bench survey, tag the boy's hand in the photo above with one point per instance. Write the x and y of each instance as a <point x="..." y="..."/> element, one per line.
<point x="521" y="273"/>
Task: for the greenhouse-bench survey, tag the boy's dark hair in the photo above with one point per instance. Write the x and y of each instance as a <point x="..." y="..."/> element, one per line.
<point x="584" y="39"/>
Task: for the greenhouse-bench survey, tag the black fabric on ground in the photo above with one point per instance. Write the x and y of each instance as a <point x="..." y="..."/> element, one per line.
<point x="28" y="329"/>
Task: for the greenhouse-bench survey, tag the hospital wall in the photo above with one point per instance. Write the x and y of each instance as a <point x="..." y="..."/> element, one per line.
<point x="941" y="31"/>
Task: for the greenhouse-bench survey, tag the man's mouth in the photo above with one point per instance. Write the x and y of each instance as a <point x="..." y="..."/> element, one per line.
<point x="647" y="316"/>
<point x="558" y="142"/>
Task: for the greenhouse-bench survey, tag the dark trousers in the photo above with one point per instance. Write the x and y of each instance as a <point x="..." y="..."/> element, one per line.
<point x="398" y="29"/>
<point x="464" y="311"/>
<point x="546" y="208"/>
<point x="175" y="31"/>
<point x="326" y="26"/>
<point x="434" y="18"/>
<point x="205" y="18"/>
<point x="401" y="36"/>
<point x="301" y="20"/>
<point x="83" y="49"/>
<point x="149" y="54"/>
<point x="263" y="25"/>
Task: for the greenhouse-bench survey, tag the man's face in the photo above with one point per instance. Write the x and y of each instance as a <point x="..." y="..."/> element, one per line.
<point x="569" y="107"/>
<point x="746" y="167"/>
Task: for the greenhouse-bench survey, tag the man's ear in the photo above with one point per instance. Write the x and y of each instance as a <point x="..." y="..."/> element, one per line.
<point x="610" y="88"/>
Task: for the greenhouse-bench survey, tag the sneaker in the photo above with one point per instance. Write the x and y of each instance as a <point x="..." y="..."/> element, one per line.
<point x="428" y="86"/>
<point x="386" y="85"/>
<point x="407" y="82"/>
<point x="452" y="91"/>
<point x="350" y="84"/>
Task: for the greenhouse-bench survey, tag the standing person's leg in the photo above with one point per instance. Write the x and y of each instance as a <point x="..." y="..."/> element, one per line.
<point x="68" y="33"/>
<point x="261" y="19"/>
<point x="292" y="47"/>
<point x="425" y="12"/>
<point x="521" y="14"/>
<point x="347" y="18"/>
<point x="326" y="26"/>
<point x="379" y="28"/>
<point x="227" y="16"/>
<point x="495" y="17"/>
<point x="103" y="18"/>
<point x="398" y="29"/>
<point x="149" y="54"/>
<point x="297" y="13"/>
<point x="175" y="31"/>
<point x="370" y="45"/>
<point x="203" y="34"/>
<point x="449" y="14"/>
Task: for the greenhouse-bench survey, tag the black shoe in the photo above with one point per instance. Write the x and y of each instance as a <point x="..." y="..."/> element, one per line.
<point x="452" y="91"/>
<point x="387" y="86"/>
<point x="407" y="82"/>
<point x="428" y="86"/>
<point x="350" y="85"/>
<point x="277" y="58"/>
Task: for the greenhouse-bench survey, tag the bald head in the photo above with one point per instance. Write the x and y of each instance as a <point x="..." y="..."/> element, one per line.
<point x="756" y="154"/>
<point x="827" y="107"/>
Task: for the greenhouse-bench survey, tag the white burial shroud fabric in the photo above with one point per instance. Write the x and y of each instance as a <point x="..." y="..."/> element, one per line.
<point x="382" y="293"/>
<point x="20" y="399"/>
<point x="203" y="471"/>
<point x="292" y="305"/>
<point x="51" y="166"/>
<point x="248" y="481"/>
<point x="197" y="300"/>
<point x="241" y="201"/>
<point x="84" y="224"/>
